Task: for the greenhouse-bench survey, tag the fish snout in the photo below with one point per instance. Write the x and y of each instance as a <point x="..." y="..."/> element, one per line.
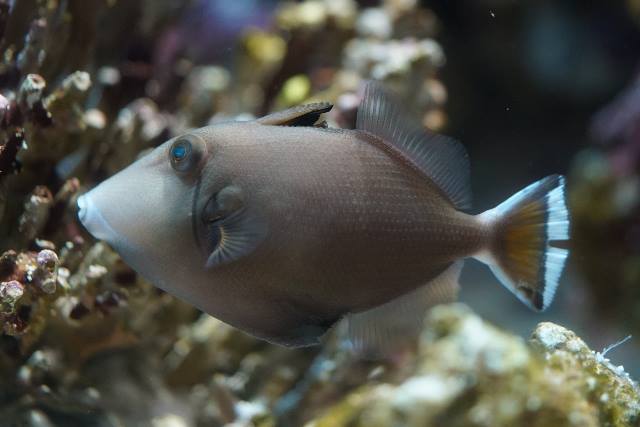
<point x="82" y="209"/>
<point x="91" y="218"/>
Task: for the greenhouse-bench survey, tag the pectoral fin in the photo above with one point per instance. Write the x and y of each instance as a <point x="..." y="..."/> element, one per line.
<point x="235" y="231"/>
<point x="375" y="333"/>
<point x="301" y="115"/>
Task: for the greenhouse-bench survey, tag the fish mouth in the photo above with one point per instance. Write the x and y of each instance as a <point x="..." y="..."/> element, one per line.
<point x="82" y="209"/>
<point x="93" y="220"/>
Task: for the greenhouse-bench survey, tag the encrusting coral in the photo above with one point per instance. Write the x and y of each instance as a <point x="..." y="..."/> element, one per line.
<point x="468" y="373"/>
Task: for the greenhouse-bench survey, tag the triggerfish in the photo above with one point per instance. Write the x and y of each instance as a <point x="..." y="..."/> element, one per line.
<point x="282" y="227"/>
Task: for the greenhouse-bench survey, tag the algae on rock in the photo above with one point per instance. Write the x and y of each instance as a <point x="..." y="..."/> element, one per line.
<point x="469" y="373"/>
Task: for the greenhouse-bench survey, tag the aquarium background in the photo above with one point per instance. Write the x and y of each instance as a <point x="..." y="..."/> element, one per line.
<point x="550" y="89"/>
<point x="531" y="88"/>
<point x="537" y="88"/>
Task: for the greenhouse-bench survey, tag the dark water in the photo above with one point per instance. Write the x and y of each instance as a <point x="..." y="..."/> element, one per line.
<point x="530" y="90"/>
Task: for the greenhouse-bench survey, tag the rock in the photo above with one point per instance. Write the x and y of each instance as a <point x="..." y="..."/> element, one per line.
<point x="608" y="387"/>
<point x="469" y="373"/>
<point x="36" y="212"/>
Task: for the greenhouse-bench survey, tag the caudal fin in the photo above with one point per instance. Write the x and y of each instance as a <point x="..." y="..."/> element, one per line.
<point x="525" y="251"/>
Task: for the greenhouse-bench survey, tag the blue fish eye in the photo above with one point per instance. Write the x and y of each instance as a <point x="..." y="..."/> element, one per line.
<point x="186" y="153"/>
<point x="179" y="152"/>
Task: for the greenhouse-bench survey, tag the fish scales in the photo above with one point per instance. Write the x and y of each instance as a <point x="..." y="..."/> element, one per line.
<point x="343" y="213"/>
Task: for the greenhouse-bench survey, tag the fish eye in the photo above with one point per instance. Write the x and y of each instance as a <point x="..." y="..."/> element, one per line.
<point x="186" y="153"/>
<point x="180" y="151"/>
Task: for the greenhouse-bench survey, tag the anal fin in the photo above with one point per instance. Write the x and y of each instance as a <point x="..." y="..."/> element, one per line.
<point x="377" y="332"/>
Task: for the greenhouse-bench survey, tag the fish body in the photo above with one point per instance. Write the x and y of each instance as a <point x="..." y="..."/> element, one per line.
<point x="282" y="229"/>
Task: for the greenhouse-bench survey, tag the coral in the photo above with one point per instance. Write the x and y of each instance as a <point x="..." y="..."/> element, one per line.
<point x="469" y="373"/>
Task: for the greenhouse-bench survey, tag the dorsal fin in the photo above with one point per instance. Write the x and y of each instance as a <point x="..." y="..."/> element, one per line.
<point x="300" y="115"/>
<point x="442" y="159"/>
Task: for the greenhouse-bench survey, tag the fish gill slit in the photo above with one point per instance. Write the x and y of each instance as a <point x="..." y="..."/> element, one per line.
<point x="194" y="216"/>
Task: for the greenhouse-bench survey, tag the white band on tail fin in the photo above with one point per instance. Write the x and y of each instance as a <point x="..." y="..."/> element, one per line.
<point x="522" y="252"/>
<point x="557" y="229"/>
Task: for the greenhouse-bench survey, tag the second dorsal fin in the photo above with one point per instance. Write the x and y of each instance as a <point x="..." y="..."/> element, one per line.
<point x="442" y="159"/>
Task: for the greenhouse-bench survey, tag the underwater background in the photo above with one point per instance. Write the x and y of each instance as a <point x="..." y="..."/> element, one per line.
<point x="531" y="88"/>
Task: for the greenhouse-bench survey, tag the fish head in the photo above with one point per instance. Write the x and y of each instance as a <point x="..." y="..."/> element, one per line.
<point x="163" y="212"/>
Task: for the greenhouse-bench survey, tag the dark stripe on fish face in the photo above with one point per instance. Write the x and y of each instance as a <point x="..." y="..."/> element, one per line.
<point x="211" y="230"/>
<point x="194" y="215"/>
